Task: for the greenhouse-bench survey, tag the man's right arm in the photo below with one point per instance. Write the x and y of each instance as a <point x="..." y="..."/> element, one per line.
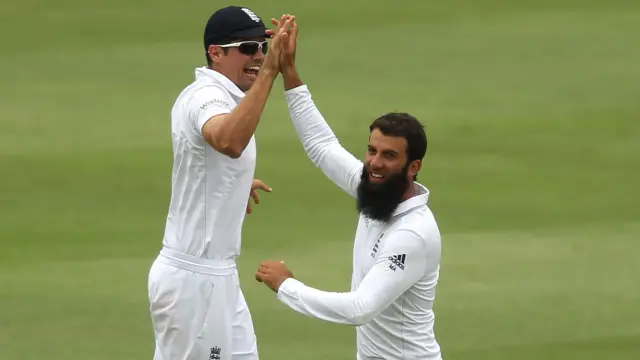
<point x="230" y="133"/>
<point x="318" y="140"/>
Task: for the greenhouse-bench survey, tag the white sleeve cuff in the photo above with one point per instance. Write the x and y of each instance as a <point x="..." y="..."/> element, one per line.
<point x="288" y="288"/>
<point x="297" y="90"/>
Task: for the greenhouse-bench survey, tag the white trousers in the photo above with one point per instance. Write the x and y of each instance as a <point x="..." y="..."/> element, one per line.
<point x="198" y="310"/>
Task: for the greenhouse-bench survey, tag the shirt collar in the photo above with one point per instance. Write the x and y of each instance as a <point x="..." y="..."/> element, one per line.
<point x="413" y="202"/>
<point x="205" y="72"/>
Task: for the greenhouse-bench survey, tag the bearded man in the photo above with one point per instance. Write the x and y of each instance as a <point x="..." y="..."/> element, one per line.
<point x="397" y="250"/>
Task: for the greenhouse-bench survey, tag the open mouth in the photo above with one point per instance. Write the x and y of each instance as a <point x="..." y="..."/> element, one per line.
<point x="252" y="70"/>
<point x="375" y="177"/>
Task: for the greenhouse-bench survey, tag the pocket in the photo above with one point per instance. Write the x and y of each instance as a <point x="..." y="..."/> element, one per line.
<point x="152" y="282"/>
<point x="166" y="285"/>
<point x="208" y="294"/>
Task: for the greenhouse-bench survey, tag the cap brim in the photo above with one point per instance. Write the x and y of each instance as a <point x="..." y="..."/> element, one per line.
<point x="250" y="33"/>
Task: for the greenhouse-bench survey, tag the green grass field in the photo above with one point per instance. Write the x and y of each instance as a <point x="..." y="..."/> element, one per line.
<point x="532" y="109"/>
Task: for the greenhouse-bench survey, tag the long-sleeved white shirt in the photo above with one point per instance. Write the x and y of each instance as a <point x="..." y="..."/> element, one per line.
<point x="395" y="265"/>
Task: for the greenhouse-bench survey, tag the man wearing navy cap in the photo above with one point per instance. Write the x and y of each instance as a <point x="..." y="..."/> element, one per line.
<point x="197" y="308"/>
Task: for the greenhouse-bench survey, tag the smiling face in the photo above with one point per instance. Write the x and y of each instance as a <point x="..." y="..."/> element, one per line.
<point x="387" y="157"/>
<point x="239" y="61"/>
<point x="386" y="176"/>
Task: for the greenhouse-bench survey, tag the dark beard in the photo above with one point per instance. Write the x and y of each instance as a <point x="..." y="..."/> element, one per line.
<point x="379" y="201"/>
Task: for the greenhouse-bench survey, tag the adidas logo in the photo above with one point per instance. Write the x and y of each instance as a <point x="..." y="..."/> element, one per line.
<point x="397" y="261"/>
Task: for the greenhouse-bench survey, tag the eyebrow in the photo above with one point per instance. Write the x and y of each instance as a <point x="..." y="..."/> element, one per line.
<point x="389" y="151"/>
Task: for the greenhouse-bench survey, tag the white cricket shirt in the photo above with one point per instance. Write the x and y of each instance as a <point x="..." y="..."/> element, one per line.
<point x="209" y="190"/>
<point x="395" y="265"/>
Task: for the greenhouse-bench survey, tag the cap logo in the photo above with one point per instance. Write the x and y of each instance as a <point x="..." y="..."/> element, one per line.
<point x="251" y="14"/>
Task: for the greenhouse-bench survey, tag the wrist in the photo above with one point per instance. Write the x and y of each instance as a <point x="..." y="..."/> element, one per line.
<point x="291" y="78"/>
<point x="290" y="70"/>
<point x="269" y="73"/>
<point x="282" y="281"/>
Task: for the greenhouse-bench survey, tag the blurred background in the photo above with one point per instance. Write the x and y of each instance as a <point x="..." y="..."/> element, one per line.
<point x="532" y="112"/>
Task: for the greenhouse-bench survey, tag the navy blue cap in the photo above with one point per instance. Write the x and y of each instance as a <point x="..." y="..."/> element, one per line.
<point x="232" y="22"/>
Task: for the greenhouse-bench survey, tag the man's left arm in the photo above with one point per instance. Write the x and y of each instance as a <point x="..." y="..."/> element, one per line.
<point x="402" y="262"/>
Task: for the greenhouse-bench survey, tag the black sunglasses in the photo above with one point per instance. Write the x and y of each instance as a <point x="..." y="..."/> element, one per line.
<point x="249" y="47"/>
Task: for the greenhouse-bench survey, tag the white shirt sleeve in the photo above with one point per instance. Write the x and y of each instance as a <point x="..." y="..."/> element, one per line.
<point x="403" y="260"/>
<point x="320" y="143"/>
<point x="206" y="103"/>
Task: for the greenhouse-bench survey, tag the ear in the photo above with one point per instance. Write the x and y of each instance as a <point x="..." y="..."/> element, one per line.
<point x="215" y="53"/>
<point x="414" y="169"/>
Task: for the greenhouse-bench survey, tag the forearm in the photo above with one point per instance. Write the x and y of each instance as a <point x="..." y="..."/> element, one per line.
<point x="340" y="308"/>
<point x="242" y="122"/>
<point x="312" y="129"/>
<point x="381" y="286"/>
<point x="318" y="139"/>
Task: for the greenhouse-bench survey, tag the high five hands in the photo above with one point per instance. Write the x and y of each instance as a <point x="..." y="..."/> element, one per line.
<point x="287" y="42"/>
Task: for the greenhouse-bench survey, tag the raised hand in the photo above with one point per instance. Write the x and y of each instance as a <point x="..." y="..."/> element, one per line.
<point x="279" y="39"/>
<point x="288" y="52"/>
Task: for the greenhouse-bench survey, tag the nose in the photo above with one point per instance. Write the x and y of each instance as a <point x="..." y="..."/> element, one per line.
<point x="375" y="162"/>
<point x="259" y="54"/>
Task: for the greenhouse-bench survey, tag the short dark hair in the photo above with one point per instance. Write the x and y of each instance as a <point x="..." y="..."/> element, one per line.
<point x="406" y="126"/>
